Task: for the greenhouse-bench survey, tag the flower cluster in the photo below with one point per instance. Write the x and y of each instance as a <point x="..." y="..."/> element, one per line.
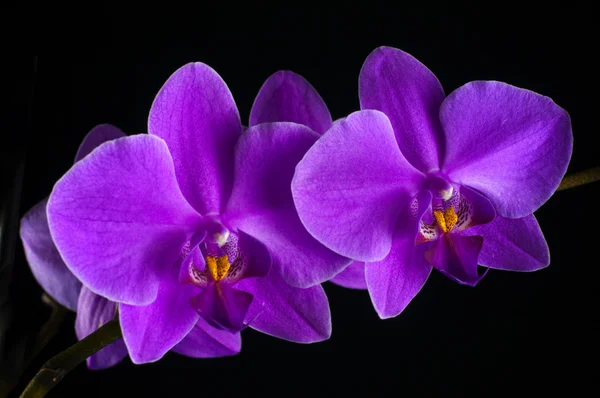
<point x="204" y="226"/>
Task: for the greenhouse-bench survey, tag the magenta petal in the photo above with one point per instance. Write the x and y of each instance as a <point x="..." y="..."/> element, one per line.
<point x="456" y="257"/>
<point x="118" y="217"/>
<point x="394" y="281"/>
<point x="94" y="311"/>
<point x="511" y="144"/>
<point x="150" y="331"/>
<point x="257" y="258"/>
<point x="262" y="206"/>
<point x="288" y="97"/>
<point x="481" y="209"/>
<point x="45" y="262"/>
<point x="97" y="136"/>
<point x="512" y="244"/>
<point x="352" y="184"/>
<point x="286" y="312"/>
<point x="194" y="112"/>
<point x="205" y="341"/>
<point x="397" y="84"/>
<point x="193" y="261"/>
<point x="352" y="277"/>
<point x="223" y="306"/>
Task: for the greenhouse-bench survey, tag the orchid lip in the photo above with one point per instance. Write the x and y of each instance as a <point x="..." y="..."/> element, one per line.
<point x="212" y="260"/>
<point x="214" y="264"/>
<point x="453" y="253"/>
<point x="449" y="214"/>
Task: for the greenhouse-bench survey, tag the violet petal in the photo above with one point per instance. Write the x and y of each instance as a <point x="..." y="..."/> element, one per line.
<point x="94" y="311"/>
<point x="394" y="281"/>
<point x="410" y="95"/>
<point x="456" y="257"/>
<point x="45" y="262"/>
<point x="352" y="184"/>
<point x="352" y="277"/>
<point x="152" y="330"/>
<point x="194" y="112"/>
<point x="223" y="306"/>
<point x="262" y="206"/>
<point x="286" y="312"/>
<point x="288" y="97"/>
<point x="510" y="144"/>
<point x="512" y="244"/>
<point x="96" y="137"/>
<point x="205" y="341"/>
<point x="118" y="218"/>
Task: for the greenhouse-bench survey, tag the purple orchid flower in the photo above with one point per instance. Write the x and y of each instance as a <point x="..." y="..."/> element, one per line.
<point x="93" y="310"/>
<point x="288" y="97"/>
<point x="195" y="224"/>
<point x="418" y="180"/>
<point x="52" y="274"/>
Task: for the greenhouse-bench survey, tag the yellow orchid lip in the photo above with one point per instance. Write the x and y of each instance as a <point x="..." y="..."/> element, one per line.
<point x="218" y="266"/>
<point x="446" y="220"/>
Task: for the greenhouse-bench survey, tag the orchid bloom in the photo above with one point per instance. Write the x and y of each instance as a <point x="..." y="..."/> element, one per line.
<point x="418" y="180"/>
<point x="288" y="97"/>
<point x="194" y="224"/>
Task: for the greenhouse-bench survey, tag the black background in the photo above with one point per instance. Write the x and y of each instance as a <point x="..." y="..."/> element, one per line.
<point x="516" y="334"/>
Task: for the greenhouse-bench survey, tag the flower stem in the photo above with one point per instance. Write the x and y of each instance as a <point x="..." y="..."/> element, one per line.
<point x="56" y="368"/>
<point x="580" y="178"/>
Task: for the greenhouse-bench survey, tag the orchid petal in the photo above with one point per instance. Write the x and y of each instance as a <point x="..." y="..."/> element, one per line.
<point x="512" y="244"/>
<point x="223" y="306"/>
<point x="94" y="311"/>
<point x="150" y="331"/>
<point x="286" y="312"/>
<point x="410" y="95"/>
<point x="352" y="277"/>
<point x="288" y="97"/>
<point x="352" y="184"/>
<point x="45" y="262"/>
<point x="96" y="137"/>
<point x="473" y="209"/>
<point x="510" y="144"/>
<point x="262" y="206"/>
<point x="255" y="256"/>
<point x="394" y="281"/>
<point x="205" y="341"/>
<point x="194" y="112"/>
<point x="119" y="219"/>
<point x="456" y="257"/>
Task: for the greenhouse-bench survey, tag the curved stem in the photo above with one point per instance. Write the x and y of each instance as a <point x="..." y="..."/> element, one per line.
<point x="53" y="371"/>
<point x="580" y="178"/>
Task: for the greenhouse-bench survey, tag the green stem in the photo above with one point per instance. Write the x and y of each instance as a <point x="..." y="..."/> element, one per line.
<point x="56" y="368"/>
<point x="580" y="178"/>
